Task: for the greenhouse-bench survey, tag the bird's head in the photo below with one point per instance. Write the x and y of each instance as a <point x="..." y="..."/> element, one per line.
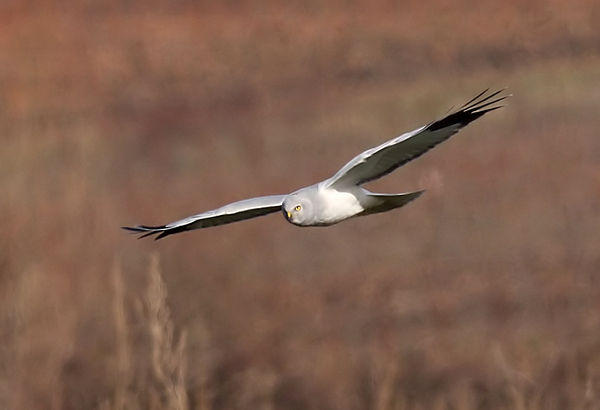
<point x="297" y="209"/>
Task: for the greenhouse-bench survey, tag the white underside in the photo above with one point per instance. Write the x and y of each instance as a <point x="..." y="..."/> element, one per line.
<point x="336" y="206"/>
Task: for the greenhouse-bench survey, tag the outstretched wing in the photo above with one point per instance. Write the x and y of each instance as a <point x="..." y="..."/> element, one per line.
<point x="385" y="158"/>
<point x="236" y="211"/>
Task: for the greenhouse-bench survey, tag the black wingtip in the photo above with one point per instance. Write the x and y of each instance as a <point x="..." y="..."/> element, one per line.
<point x="147" y="231"/>
<point x="130" y="228"/>
<point x="162" y="235"/>
<point x="147" y="234"/>
<point x="481" y="104"/>
<point x="474" y="99"/>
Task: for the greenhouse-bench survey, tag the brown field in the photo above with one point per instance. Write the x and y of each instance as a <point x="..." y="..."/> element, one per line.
<point x="483" y="294"/>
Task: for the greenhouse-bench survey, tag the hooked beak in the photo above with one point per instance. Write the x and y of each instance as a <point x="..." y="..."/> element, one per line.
<point x="289" y="215"/>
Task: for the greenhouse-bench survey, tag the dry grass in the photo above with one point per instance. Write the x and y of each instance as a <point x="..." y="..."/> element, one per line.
<point x="482" y="294"/>
<point x="168" y="363"/>
<point x="163" y="387"/>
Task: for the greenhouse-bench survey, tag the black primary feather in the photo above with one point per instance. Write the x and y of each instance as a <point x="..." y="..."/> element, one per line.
<point x="469" y="112"/>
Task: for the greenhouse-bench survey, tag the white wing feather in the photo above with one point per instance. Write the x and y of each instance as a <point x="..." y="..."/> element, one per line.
<point x="385" y="158"/>
<point x="233" y="212"/>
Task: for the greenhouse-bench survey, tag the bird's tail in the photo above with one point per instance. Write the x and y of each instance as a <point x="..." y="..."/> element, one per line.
<point x="385" y="202"/>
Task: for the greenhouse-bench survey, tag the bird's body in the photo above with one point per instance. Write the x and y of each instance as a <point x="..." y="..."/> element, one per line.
<point x="341" y="197"/>
<point x="329" y="205"/>
<point x="338" y="206"/>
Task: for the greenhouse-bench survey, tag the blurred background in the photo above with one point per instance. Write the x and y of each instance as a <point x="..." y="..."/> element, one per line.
<point x="483" y="294"/>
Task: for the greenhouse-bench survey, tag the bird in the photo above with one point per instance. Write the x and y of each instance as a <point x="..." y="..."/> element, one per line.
<point x="341" y="196"/>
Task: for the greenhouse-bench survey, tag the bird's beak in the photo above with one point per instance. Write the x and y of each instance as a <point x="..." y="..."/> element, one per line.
<point x="289" y="215"/>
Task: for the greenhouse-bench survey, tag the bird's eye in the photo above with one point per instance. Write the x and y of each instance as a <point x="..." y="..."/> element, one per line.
<point x="297" y="208"/>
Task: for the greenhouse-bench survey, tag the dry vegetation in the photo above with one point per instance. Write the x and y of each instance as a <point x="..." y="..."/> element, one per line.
<point x="483" y="294"/>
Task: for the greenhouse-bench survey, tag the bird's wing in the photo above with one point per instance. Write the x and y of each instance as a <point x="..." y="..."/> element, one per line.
<point x="385" y="158"/>
<point x="236" y="211"/>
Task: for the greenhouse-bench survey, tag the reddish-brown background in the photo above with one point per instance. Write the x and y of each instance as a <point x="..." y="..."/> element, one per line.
<point x="484" y="293"/>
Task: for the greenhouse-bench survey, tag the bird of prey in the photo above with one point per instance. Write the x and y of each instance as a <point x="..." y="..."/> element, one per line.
<point x="341" y="196"/>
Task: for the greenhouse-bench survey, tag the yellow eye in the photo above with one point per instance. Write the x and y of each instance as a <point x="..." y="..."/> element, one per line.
<point x="297" y="208"/>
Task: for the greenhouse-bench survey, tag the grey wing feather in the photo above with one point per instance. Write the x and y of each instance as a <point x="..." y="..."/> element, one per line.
<point x="385" y="158"/>
<point x="236" y="211"/>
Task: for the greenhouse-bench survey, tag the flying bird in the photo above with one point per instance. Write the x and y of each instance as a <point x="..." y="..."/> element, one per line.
<point x="341" y="196"/>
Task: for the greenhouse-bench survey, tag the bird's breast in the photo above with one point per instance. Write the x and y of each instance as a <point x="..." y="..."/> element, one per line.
<point x="336" y="206"/>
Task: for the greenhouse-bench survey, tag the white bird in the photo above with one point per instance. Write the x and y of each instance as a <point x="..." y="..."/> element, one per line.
<point x="341" y="196"/>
